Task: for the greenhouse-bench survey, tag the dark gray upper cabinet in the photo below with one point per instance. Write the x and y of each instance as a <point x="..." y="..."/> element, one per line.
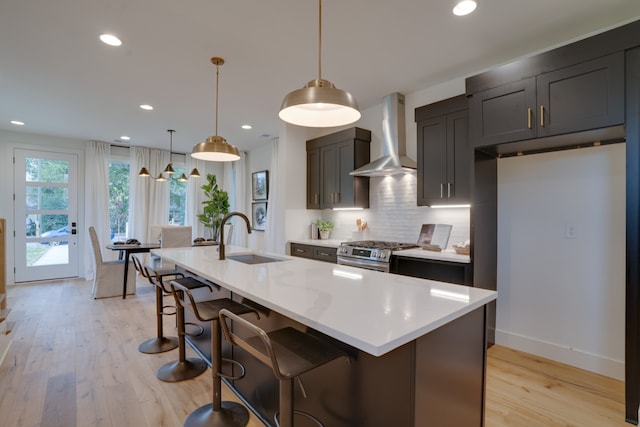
<point x="581" y="97"/>
<point x="330" y="158"/>
<point x="444" y="154"/>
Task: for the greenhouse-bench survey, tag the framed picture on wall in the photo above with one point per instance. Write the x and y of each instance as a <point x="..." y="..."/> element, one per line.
<point x="260" y="185"/>
<point x="259" y="216"/>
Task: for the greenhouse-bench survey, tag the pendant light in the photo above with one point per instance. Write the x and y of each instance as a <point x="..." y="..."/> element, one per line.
<point x="319" y="103"/>
<point x="216" y="148"/>
<point x="144" y="172"/>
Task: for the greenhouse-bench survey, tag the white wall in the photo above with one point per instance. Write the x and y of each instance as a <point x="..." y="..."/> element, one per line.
<point x="559" y="297"/>
<point x="257" y="160"/>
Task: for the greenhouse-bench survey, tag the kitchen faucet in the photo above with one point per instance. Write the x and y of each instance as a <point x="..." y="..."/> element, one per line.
<point x="224" y="219"/>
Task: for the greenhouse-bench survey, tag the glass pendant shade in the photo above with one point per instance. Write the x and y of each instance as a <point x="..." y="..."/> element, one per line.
<point x="319" y="104"/>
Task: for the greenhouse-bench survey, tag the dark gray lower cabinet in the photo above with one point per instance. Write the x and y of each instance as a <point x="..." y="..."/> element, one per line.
<point x="443" y="271"/>
<point x="435" y="380"/>
<point x="320" y="253"/>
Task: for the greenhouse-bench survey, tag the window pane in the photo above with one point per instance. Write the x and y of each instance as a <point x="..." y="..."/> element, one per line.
<point x="118" y="197"/>
<point x="50" y="198"/>
<point x="44" y="170"/>
<point x="177" y="197"/>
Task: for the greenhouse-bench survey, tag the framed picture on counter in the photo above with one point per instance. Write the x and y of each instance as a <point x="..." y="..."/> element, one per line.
<point x="259" y="216"/>
<point x="260" y="185"/>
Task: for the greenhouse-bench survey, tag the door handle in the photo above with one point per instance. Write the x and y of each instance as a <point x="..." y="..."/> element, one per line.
<point x="441" y="191"/>
<point x="448" y="190"/>
<point x="542" y="115"/>
<point x="529" y="117"/>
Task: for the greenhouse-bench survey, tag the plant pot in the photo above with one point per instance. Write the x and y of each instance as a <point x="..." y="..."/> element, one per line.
<point x="324" y="235"/>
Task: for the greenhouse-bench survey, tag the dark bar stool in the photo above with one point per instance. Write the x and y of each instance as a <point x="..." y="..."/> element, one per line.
<point x="184" y="368"/>
<point x="288" y="351"/>
<point x="160" y="343"/>
<point x="217" y="413"/>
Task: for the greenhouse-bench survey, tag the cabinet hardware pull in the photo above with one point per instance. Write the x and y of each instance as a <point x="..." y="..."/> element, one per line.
<point x="316" y="198"/>
<point x="338" y="197"/>
<point x="448" y="190"/>
<point x="441" y="191"/>
<point x="299" y="250"/>
<point x="529" y="117"/>
<point x="542" y="115"/>
<point x="323" y="254"/>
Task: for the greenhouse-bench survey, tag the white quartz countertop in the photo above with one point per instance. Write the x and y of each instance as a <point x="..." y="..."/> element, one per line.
<point x="372" y="311"/>
<point x="446" y="255"/>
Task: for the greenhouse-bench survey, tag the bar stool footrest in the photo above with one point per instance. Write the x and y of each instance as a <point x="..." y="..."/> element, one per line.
<point x="233" y="362"/>
<point x="301" y="413"/>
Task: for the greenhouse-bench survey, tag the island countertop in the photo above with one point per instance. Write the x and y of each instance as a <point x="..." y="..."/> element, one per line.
<point x="371" y="311"/>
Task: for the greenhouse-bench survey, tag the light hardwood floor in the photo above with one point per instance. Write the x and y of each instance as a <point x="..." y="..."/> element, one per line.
<point x="74" y="362"/>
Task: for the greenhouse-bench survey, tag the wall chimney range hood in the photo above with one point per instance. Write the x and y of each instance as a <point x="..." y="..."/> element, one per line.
<point x="394" y="142"/>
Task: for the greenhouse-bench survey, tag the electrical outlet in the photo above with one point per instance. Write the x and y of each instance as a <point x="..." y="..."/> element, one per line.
<point x="570" y="231"/>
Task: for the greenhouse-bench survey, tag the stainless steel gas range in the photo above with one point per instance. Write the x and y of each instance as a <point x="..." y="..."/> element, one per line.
<point x="370" y="254"/>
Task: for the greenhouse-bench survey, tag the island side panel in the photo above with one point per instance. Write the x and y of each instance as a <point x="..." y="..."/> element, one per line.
<point x="450" y="373"/>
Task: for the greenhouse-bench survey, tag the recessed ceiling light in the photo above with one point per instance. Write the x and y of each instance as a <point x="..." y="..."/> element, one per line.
<point x="146" y="107"/>
<point x="125" y="138"/>
<point x="464" y="7"/>
<point x="17" y="123"/>
<point x="247" y="127"/>
<point x="110" y="39"/>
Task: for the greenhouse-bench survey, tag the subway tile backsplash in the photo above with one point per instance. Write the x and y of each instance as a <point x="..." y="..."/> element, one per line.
<point x="394" y="216"/>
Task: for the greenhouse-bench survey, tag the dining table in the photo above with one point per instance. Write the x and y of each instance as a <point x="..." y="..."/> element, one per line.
<point x="125" y="251"/>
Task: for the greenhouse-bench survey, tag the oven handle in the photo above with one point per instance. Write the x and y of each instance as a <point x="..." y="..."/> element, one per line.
<point x="360" y="263"/>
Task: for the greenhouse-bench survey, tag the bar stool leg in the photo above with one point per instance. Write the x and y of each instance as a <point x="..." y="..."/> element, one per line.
<point x="160" y="344"/>
<point x="218" y="413"/>
<point x="184" y="368"/>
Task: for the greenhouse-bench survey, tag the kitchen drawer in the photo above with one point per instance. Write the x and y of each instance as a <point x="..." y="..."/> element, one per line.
<point x="320" y="253"/>
<point x="442" y="271"/>
<point x="303" y="251"/>
<point x="325" y="254"/>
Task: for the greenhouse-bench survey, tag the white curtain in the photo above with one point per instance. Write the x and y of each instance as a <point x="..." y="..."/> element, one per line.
<point x="149" y="199"/>
<point x="235" y="182"/>
<point x="96" y="212"/>
<point x="195" y="196"/>
<point x="275" y="232"/>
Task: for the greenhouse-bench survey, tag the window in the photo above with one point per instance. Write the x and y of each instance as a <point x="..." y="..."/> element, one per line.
<point x="118" y="197"/>
<point x="177" y="197"/>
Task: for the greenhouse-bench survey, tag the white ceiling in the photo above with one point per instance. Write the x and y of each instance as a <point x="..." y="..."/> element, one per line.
<point x="58" y="78"/>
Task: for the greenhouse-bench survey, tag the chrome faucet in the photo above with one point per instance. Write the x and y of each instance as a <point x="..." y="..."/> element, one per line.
<point x="224" y="219"/>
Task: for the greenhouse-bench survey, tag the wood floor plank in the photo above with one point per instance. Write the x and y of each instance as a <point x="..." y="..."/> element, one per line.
<point x="62" y="333"/>
<point x="60" y="402"/>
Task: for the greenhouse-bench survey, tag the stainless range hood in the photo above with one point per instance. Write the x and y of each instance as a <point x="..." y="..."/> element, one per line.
<point x="394" y="142"/>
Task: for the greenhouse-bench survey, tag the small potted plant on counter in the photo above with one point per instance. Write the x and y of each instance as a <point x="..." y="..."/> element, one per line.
<point x="325" y="228"/>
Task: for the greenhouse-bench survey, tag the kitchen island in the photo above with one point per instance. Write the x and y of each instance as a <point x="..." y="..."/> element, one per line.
<point x="417" y="347"/>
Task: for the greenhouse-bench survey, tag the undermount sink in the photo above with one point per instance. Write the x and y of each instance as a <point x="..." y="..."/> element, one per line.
<point x="252" y="258"/>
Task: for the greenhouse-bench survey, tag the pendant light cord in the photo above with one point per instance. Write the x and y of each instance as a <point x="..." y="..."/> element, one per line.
<point x="217" y="86"/>
<point x="319" y="39"/>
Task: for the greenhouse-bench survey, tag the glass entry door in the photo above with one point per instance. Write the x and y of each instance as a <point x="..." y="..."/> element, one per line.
<point x="46" y="215"/>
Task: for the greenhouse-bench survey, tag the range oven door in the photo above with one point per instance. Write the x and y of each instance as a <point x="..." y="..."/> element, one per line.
<point x="364" y="263"/>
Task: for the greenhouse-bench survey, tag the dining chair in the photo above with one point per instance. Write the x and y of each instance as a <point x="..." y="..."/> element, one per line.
<point x="107" y="279"/>
<point x="176" y="236"/>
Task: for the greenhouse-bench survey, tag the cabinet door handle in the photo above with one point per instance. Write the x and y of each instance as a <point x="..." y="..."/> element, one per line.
<point x="529" y="117"/>
<point x="324" y="254"/>
<point x="300" y="251"/>
<point x="441" y="190"/>
<point x="448" y="190"/>
<point x="542" y="115"/>
<point x="338" y="197"/>
<point x="316" y="198"/>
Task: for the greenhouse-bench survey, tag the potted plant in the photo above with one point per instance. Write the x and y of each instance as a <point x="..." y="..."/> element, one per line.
<point x="215" y="206"/>
<point x="324" y="227"/>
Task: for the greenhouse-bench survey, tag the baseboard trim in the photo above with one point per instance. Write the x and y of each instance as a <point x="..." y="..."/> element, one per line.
<point x="570" y="356"/>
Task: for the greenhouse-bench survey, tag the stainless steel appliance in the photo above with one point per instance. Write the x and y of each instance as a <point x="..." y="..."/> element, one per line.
<point x="370" y="254"/>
